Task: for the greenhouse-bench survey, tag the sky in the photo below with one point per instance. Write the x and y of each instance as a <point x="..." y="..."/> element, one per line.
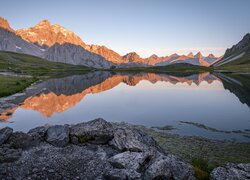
<point x="160" y="27"/>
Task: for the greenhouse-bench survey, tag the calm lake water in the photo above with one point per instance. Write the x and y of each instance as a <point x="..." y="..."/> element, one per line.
<point x="206" y="105"/>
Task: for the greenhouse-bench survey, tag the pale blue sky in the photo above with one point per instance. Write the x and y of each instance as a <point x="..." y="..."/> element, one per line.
<point x="147" y="27"/>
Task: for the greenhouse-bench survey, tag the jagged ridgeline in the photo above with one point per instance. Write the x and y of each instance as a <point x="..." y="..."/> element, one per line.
<point x="238" y="54"/>
<point x="56" y="43"/>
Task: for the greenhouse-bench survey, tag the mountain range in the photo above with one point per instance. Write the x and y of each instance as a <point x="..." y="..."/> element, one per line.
<point x="58" y="44"/>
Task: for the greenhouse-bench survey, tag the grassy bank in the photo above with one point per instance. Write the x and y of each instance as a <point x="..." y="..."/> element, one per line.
<point x="174" y="69"/>
<point x="35" y="66"/>
<point x="11" y="85"/>
<point x="36" y="69"/>
<point x="241" y="65"/>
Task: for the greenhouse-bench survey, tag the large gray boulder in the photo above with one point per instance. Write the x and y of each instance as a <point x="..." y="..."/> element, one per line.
<point x="169" y="167"/>
<point x="5" y="134"/>
<point x="97" y="131"/>
<point x="231" y="172"/>
<point x="21" y="140"/>
<point x="58" y="135"/>
<point x="130" y="160"/>
<point x="38" y="133"/>
<point x="132" y="140"/>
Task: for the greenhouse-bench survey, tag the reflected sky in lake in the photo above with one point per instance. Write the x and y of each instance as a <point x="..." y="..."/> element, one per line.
<point x="201" y="101"/>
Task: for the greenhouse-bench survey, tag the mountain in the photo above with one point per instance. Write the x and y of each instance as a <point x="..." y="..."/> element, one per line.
<point x="51" y="42"/>
<point x="5" y="25"/>
<point x="9" y="41"/>
<point x="237" y="54"/>
<point x="197" y="59"/>
<point x="45" y="34"/>
<point x="56" y="43"/>
<point x="132" y="57"/>
<point x="76" y="55"/>
<point x="108" y="54"/>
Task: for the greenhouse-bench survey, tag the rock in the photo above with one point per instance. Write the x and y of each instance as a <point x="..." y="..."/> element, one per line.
<point x="49" y="162"/>
<point x="21" y="140"/>
<point x="30" y="156"/>
<point x="169" y="167"/>
<point x="130" y="160"/>
<point x="9" y="154"/>
<point x="38" y="133"/>
<point x="231" y="172"/>
<point x="132" y="140"/>
<point x="58" y="135"/>
<point x="121" y="174"/>
<point x="5" y="134"/>
<point x="97" y="131"/>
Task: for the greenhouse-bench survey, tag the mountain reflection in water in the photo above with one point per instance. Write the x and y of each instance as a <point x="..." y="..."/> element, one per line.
<point x="57" y="96"/>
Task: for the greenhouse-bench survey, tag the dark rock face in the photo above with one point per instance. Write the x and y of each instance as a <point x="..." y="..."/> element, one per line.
<point x="58" y="135"/>
<point x="21" y="140"/>
<point x="105" y="151"/>
<point x="38" y="133"/>
<point x="5" y="134"/>
<point x="97" y="131"/>
<point x="231" y="172"/>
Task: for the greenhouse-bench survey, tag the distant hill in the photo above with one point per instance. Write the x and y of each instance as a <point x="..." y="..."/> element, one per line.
<point x="238" y="54"/>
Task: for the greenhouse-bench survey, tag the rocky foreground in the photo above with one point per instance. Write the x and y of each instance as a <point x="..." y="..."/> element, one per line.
<point x="94" y="150"/>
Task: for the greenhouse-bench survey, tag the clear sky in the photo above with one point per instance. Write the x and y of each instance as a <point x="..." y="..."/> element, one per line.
<point x="147" y="27"/>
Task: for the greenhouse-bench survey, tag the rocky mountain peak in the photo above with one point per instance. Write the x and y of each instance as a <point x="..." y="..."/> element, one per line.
<point x="243" y="44"/>
<point x="210" y="56"/>
<point x="198" y="55"/>
<point x="46" y="34"/>
<point x="190" y="55"/>
<point x="5" y="25"/>
<point x="132" y="57"/>
<point x="154" y="56"/>
<point x="44" y="22"/>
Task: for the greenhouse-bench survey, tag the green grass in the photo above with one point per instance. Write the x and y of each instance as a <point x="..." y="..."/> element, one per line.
<point x="10" y="85"/>
<point x="241" y="65"/>
<point x="35" y="66"/>
<point x="174" y="69"/>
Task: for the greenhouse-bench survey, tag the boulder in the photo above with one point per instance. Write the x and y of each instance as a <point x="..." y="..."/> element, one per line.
<point x="58" y="135"/>
<point x="21" y="140"/>
<point x="169" y="167"/>
<point x="132" y="140"/>
<point x="130" y="160"/>
<point x="38" y="133"/>
<point x="97" y="131"/>
<point x="5" y="134"/>
<point x="231" y="172"/>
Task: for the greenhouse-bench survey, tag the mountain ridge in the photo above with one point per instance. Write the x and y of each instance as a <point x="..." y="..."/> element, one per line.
<point x="237" y="54"/>
<point x="52" y="40"/>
